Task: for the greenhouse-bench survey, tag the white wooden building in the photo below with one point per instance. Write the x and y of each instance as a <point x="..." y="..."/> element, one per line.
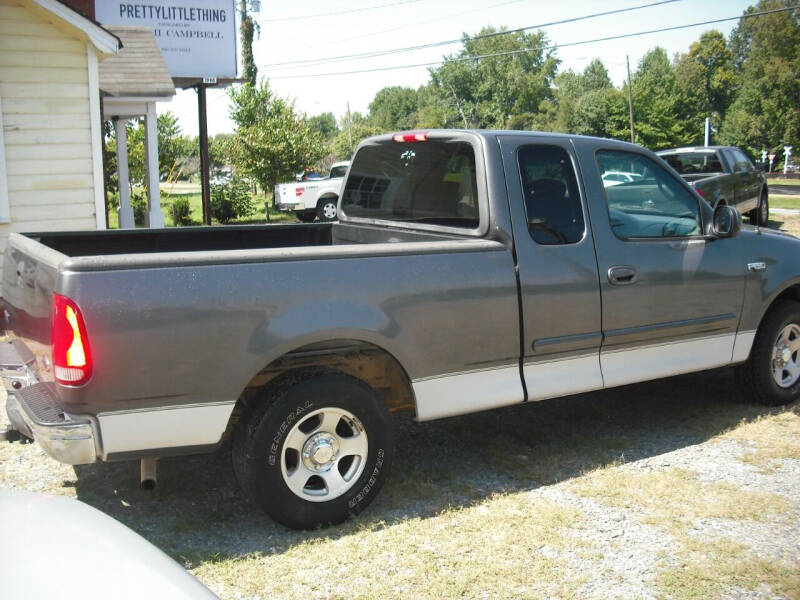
<point x="51" y="168"/>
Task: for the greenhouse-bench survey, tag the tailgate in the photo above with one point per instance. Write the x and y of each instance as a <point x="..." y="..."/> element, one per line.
<point x="289" y="194"/>
<point x="30" y="273"/>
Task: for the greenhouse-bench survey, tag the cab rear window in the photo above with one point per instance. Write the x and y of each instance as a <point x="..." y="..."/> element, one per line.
<point x="431" y="182"/>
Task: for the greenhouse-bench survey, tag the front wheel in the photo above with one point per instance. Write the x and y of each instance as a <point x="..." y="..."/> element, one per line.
<point x="315" y="450"/>
<point x="326" y="209"/>
<point x="772" y="373"/>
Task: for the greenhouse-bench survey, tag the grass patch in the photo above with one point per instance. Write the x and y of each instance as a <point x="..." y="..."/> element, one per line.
<point x="710" y="568"/>
<point x="769" y="439"/>
<point x="784" y="201"/>
<point x="196" y="209"/>
<point x="506" y="547"/>
<point x="673" y="499"/>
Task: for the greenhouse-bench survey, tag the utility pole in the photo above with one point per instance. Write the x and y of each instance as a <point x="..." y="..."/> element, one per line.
<point x="630" y="99"/>
<point x="708" y="131"/>
<point x="350" y="128"/>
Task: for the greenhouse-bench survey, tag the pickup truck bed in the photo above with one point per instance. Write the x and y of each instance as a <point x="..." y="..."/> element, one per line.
<point x="470" y="270"/>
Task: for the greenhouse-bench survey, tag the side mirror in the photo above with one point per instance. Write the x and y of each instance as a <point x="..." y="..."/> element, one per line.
<point x="726" y="222"/>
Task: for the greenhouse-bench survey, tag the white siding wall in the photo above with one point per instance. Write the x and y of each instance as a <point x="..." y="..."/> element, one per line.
<point x="44" y="86"/>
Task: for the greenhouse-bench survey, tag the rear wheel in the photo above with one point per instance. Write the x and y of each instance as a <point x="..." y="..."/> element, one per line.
<point x="760" y="214"/>
<point x="326" y="209"/>
<point x="316" y="450"/>
<point x="772" y="373"/>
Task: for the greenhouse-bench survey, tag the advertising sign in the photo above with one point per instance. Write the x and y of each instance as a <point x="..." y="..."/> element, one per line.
<point x="196" y="37"/>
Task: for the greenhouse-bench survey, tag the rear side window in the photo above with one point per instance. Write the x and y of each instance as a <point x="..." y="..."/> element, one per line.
<point x="689" y="163"/>
<point x="552" y="200"/>
<point x="337" y="172"/>
<point x="742" y="163"/>
<point x="431" y="182"/>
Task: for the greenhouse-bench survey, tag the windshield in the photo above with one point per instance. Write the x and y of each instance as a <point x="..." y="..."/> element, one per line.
<point x="687" y="163"/>
<point x="426" y="182"/>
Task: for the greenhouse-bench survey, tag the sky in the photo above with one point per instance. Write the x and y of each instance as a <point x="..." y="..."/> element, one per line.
<point x="313" y="30"/>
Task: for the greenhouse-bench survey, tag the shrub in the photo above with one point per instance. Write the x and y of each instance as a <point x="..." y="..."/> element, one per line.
<point x="139" y="205"/>
<point x="231" y="199"/>
<point x="181" y="211"/>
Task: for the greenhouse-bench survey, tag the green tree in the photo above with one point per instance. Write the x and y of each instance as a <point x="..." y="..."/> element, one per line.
<point x="394" y="108"/>
<point x="585" y="103"/>
<point x="494" y="78"/>
<point x="220" y="152"/>
<point x="358" y="128"/>
<point x="655" y="104"/>
<point x="766" y="50"/>
<point x="271" y="142"/>
<point x="247" y="29"/>
<point x="324" y="125"/>
<point x="706" y="82"/>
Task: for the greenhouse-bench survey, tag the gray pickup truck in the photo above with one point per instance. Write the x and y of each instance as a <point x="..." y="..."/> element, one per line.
<point x="723" y="175"/>
<point x="470" y="270"/>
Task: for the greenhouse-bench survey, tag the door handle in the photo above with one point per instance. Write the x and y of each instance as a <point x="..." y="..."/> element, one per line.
<point x="622" y="275"/>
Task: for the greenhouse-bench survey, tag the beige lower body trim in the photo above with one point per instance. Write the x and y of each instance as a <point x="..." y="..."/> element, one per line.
<point x="462" y="393"/>
<point x="742" y="345"/>
<point x="563" y="377"/>
<point x="665" y="360"/>
<point x="170" y="427"/>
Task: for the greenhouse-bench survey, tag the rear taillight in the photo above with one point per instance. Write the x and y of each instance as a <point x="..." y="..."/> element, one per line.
<point x="699" y="192"/>
<point x="298" y="192"/>
<point x="72" y="359"/>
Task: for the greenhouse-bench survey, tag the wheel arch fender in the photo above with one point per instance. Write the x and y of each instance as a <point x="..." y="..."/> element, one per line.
<point x="355" y="338"/>
<point x="790" y="290"/>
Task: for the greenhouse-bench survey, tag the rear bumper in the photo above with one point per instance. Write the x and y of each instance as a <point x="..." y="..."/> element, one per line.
<point x="34" y="410"/>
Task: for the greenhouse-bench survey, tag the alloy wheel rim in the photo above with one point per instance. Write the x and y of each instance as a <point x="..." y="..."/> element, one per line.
<point x="329" y="210"/>
<point x="786" y="356"/>
<point x="324" y="454"/>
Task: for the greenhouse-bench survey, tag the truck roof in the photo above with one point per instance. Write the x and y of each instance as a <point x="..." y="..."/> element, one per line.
<point x="494" y="133"/>
<point x="692" y="149"/>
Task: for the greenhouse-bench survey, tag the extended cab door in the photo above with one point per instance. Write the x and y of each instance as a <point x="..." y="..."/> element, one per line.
<point x="671" y="298"/>
<point x="557" y="268"/>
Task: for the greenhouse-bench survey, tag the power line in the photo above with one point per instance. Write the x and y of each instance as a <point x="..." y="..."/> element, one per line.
<point x="416" y="23"/>
<point x="376" y="53"/>
<point x="553" y="47"/>
<point x="339" y="12"/>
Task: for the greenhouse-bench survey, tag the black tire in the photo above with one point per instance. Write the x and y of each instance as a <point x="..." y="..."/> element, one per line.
<point x="305" y="216"/>
<point x="760" y="214"/>
<point x="755" y="377"/>
<point x="326" y="209"/>
<point x="261" y="452"/>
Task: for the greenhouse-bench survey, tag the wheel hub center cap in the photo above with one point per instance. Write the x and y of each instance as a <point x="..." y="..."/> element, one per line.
<point x="784" y="356"/>
<point x="319" y="451"/>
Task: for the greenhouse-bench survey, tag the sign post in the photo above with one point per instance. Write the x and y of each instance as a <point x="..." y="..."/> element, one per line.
<point x="787" y="152"/>
<point x="771" y="160"/>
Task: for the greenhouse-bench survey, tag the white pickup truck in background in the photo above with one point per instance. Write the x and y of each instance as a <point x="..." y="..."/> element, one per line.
<point x="313" y="198"/>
